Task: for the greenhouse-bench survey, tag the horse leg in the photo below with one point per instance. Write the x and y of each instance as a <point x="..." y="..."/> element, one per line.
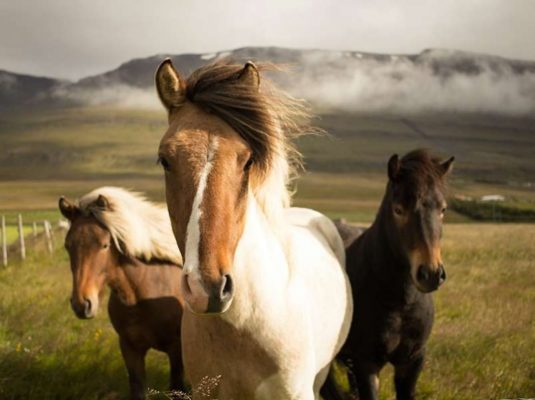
<point x="176" y="378"/>
<point x="367" y="380"/>
<point x="329" y="390"/>
<point x="320" y="380"/>
<point x="134" y="360"/>
<point x="353" y="385"/>
<point x="351" y="378"/>
<point x="405" y="377"/>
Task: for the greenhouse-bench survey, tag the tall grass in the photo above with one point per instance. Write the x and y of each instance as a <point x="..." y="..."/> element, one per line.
<point x="482" y="346"/>
<point x="45" y="351"/>
<point x="483" y="342"/>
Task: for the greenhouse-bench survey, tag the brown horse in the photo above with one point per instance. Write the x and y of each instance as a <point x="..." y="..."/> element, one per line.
<point x="119" y="239"/>
<point x="263" y="271"/>
<point x="393" y="266"/>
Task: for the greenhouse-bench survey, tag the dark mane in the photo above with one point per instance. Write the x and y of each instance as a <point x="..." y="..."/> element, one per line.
<point x="266" y="118"/>
<point x="421" y="164"/>
<point x="419" y="171"/>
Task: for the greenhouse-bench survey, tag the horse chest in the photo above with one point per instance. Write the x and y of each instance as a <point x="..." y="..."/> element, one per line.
<point x="149" y="323"/>
<point x="385" y="330"/>
<point x="214" y="347"/>
<point x="404" y="332"/>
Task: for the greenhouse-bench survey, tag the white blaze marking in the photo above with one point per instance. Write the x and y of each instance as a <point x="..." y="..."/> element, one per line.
<point x="193" y="232"/>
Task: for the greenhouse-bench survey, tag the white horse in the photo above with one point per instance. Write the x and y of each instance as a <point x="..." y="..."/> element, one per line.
<point x="269" y="300"/>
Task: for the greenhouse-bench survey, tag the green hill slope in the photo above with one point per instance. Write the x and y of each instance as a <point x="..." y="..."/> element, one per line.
<point x="48" y="153"/>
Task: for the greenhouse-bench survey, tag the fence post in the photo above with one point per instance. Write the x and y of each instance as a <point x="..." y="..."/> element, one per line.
<point x="21" y="239"/>
<point x="52" y="237"/>
<point x="48" y="236"/>
<point x="4" y="242"/>
<point x="34" y="228"/>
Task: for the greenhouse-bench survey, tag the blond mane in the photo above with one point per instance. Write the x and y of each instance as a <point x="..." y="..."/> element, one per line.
<point x="138" y="227"/>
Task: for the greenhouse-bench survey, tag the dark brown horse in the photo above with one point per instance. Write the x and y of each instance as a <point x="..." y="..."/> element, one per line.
<point x="118" y="238"/>
<point x="393" y="267"/>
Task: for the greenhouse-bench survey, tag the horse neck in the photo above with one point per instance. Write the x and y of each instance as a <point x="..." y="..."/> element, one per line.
<point x="272" y="197"/>
<point x="385" y="257"/>
<point x="125" y="279"/>
<point x="385" y="247"/>
<point x="260" y="265"/>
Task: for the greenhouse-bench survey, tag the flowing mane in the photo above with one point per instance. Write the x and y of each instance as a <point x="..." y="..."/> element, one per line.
<point x="139" y="228"/>
<point x="265" y="117"/>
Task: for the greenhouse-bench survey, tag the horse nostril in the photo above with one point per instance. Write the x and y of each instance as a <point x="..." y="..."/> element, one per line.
<point x="87" y="307"/>
<point x="442" y="275"/>
<point x="227" y="287"/>
<point x="422" y="274"/>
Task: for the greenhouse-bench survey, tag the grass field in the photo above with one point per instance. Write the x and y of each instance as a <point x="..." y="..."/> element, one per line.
<point x="354" y="196"/>
<point x="69" y="151"/>
<point x="350" y="196"/>
<point x="482" y="347"/>
<point x="29" y="217"/>
<point x="484" y="338"/>
<point x="47" y="353"/>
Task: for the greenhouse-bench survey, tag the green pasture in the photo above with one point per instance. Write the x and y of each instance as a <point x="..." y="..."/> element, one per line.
<point x="482" y="346"/>
<point x="28" y="218"/>
<point x="45" y="351"/>
<point x="48" y="153"/>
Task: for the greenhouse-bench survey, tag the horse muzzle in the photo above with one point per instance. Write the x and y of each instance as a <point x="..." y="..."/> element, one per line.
<point x="429" y="279"/>
<point x="202" y="298"/>
<point x="86" y="308"/>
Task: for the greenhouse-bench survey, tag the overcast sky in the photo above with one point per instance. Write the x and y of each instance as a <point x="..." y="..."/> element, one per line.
<point x="74" y="38"/>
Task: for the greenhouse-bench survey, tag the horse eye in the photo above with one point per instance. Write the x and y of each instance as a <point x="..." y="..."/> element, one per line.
<point x="443" y="211"/>
<point x="164" y="163"/>
<point x="248" y="164"/>
<point x="106" y="246"/>
<point x="398" y="210"/>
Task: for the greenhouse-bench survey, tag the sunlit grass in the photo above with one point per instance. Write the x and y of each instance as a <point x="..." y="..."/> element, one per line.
<point x="45" y="351"/>
<point x="69" y="151"/>
<point x="482" y="346"/>
<point x="483" y="341"/>
<point x="29" y="217"/>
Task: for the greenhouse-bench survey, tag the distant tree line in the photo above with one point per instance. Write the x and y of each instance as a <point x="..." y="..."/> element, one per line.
<point x="492" y="211"/>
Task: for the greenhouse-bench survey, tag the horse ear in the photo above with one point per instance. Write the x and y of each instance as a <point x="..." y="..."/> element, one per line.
<point x="102" y="202"/>
<point x="447" y="165"/>
<point x="249" y="75"/>
<point x="68" y="210"/>
<point x="170" y="87"/>
<point x="393" y="167"/>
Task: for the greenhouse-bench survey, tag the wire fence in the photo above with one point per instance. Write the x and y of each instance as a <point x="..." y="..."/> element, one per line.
<point x="18" y="237"/>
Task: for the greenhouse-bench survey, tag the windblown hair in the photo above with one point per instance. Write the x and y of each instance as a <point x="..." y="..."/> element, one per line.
<point x="265" y="117"/>
<point x="138" y="227"/>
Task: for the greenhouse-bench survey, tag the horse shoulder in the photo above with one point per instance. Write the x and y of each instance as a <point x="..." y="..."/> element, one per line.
<point x="321" y="226"/>
<point x="323" y="270"/>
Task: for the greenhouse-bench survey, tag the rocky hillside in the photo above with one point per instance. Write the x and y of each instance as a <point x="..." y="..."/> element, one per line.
<point x="19" y="90"/>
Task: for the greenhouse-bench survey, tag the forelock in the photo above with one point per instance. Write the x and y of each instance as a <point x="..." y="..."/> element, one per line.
<point x="420" y="175"/>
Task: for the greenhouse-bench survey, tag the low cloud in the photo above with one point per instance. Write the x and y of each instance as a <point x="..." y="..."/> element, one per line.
<point x="114" y="95"/>
<point x="391" y="84"/>
<point x="401" y="86"/>
<point x="7" y="81"/>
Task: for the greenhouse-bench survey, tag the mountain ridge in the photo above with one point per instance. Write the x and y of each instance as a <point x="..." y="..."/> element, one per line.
<point x="347" y="69"/>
